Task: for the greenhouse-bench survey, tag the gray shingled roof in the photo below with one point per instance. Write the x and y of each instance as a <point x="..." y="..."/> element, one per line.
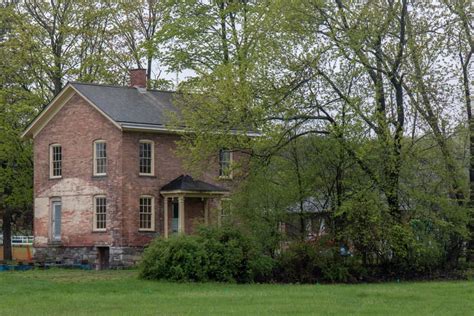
<point x="130" y="105"/>
<point x="187" y="183"/>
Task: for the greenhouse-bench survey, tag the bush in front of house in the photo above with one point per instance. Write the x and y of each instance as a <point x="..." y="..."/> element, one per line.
<point x="222" y="255"/>
<point x="176" y="259"/>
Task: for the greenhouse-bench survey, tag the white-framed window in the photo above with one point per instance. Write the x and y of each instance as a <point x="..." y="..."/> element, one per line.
<point x="146" y="154"/>
<point x="225" y="161"/>
<point x="100" y="158"/>
<point x="56" y="209"/>
<point x="100" y="213"/>
<point x="55" y="161"/>
<point x="147" y="213"/>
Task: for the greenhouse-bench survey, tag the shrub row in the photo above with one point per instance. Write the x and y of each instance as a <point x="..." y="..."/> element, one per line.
<point x="226" y="255"/>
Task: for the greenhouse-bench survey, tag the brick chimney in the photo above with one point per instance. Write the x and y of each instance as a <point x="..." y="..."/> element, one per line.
<point x="138" y="78"/>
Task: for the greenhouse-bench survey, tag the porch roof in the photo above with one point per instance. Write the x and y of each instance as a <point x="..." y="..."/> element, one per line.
<point x="186" y="184"/>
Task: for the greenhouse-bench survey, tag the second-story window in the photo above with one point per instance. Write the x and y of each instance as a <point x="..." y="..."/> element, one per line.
<point x="225" y="161"/>
<point x="146" y="155"/>
<point x="55" y="161"/>
<point x="100" y="158"/>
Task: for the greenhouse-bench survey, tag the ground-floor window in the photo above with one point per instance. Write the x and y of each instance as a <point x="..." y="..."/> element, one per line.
<point x="147" y="213"/>
<point x="100" y="216"/>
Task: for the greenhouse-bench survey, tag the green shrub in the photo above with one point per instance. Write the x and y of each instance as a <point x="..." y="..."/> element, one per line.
<point x="180" y="258"/>
<point x="223" y="255"/>
<point x="311" y="262"/>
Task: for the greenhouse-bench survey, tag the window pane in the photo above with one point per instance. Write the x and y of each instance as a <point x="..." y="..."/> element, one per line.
<point x="101" y="212"/>
<point x="56" y="160"/>
<point x="224" y="162"/>
<point x="146" y="213"/>
<point x="57" y="220"/>
<point x="146" y="157"/>
<point x="101" y="158"/>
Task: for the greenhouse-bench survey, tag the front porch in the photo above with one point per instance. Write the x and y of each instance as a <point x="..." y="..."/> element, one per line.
<point x="188" y="203"/>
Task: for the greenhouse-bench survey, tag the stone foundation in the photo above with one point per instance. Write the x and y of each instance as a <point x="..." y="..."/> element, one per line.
<point x="119" y="257"/>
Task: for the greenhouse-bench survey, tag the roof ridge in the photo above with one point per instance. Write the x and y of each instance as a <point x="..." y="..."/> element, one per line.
<point x="117" y="86"/>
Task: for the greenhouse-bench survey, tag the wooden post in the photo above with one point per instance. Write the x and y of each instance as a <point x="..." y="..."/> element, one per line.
<point x="181" y="215"/>
<point x="166" y="217"/>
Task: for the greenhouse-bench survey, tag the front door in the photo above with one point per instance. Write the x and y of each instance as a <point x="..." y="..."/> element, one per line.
<point x="175" y="216"/>
<point x="56" y="220"/>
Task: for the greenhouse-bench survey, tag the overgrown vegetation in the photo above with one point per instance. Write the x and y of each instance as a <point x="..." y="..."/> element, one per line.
<point x="363" y="110"/>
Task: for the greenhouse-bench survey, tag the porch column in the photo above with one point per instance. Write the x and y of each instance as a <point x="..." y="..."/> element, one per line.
<point x="165" y="213"/>
<point x="181" y="214"/>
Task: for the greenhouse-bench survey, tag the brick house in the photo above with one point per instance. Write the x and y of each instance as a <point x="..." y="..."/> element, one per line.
<point x="106" y="177"/>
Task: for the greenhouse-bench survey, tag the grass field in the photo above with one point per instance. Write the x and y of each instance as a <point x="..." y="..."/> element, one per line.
<point x="73" y="292"/>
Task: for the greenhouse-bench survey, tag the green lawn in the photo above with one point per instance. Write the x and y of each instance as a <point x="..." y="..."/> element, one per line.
<point x="71" y="292"/>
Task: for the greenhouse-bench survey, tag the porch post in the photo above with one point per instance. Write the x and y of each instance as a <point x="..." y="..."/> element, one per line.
<point x="181" y="214"/>
<point x="165" y="213"/>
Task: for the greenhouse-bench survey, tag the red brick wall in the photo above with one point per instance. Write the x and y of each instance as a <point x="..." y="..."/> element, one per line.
<point x="76" y="127"/>
<point x="167" y="167"/>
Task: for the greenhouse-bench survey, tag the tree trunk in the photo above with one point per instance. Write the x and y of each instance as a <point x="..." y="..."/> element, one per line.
<point x="467" y="96"/>
<point x="7" y="234"/>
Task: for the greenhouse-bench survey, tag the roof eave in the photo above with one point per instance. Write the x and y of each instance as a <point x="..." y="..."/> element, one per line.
<point x="194" y="193"/>
<point x="139" y="127"/>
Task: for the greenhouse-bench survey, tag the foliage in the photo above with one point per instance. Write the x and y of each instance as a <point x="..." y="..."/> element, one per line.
<point x="213" y="255"/>
<point x="313" y="262"/>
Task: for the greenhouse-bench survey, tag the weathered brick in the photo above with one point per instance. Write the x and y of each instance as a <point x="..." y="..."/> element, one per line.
<point x="76" y="126"/>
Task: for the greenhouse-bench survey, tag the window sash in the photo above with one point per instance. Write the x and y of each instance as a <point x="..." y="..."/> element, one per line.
<point x="100" y="158"/>
<point x="56" y="161"/>
<point x="100" y="216"/>
<point x="146" y="158"/>
<point x="56" y="220"/>
<point x="146" y="213"/>
<point x="225" y="160"/>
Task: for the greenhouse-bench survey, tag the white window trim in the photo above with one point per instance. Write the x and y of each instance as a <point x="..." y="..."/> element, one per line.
<point x="231" y="160"/>
<point x="51" y="176"/>
<point x="95" y="173"/>
<point x="94" y="224"/>
<point x="147" y="141"/>
<point x="51" y="208"/>
<point x="152" y="229"/>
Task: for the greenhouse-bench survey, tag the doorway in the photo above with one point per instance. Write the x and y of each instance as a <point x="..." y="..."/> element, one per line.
<point x="56" y="219"/>
<point x="174" y="217"/>
<point x="103" y="257"/>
